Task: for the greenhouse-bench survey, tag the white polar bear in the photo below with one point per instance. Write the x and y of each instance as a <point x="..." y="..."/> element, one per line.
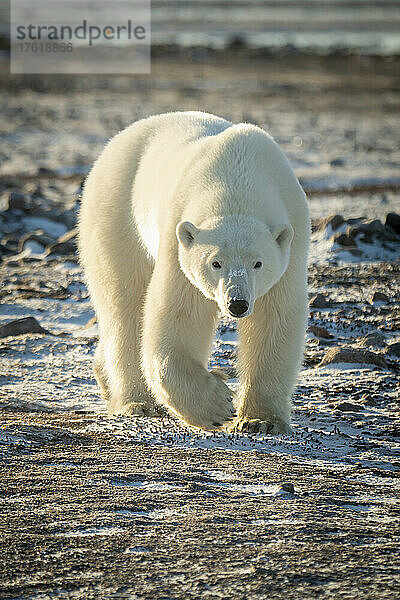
<point x="183" y="214"/>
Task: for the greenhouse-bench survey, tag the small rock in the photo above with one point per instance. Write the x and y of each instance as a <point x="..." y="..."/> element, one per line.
<point x="316" y="225"/>
<point x="372" y="230"/>
<point x="338" y="162"/>
<point x="393" y="221"/>
<point x="368" y="399"/>
<point x="351" y="249"/>
<point x="344" y="239"/>
<point x="3" y="249"/>
<point x="373" y="226"/>
<point x="45" y="171"/>
<point x="355" y="251"/>
<point x="393" y="349"/>
<point x="320" y="301"/>
<point x="91" y="322"/>
<point x="373" y="339"/>
<point x="69" y="235"/>
<point x="38" y="236"/>
<point x="355" y="220"/>
<point x="352" y="355"/>
<point x="13" y="200"/>
<point x="62" y="249"/>
<point x="368" y="230"/>
<point x="287" y="487"/>
<point x="32" y="189"/>
<point x="33" y="255"/>
<point x="320" y="332"/>
<point x="335" y="221"/>
<point x="9" y="246"/>
<point x="17" y="200"/>
<point x="380" y="297"/>
<point x="21" y="326"/>
<point x="65" y="244"/>
<point x="348" y="407"/>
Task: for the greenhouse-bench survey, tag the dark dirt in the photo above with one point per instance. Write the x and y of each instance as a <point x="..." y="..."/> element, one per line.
<point x="65" y="495"/>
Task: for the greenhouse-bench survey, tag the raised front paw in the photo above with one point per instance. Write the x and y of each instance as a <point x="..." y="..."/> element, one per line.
<point x="272" y="427"/>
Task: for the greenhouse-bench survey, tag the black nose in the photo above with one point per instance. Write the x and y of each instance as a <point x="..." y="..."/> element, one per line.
<point x="237" y="308"/>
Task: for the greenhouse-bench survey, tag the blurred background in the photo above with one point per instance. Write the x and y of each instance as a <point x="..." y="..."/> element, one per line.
<point x="322" y="76"/>
<point x="322" y="26"/>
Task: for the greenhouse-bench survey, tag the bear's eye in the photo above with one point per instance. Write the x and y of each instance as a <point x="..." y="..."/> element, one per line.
<point x="216" y="264"/>
<point x="258" y="265"/>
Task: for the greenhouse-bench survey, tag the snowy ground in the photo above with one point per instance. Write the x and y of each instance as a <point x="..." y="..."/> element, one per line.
<point x="346" y="415"/>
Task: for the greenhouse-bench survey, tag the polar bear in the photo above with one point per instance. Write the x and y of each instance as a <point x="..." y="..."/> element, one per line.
<point x="185" y="214"/>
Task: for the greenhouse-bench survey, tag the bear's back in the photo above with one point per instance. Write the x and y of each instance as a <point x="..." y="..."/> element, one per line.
<point x="171" y="146"/>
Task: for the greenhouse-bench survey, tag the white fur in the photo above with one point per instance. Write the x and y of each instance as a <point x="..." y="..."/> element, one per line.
<point x="169" y="197"/>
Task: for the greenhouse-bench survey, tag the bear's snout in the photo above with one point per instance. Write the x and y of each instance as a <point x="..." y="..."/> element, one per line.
<point x="238" y="308"/>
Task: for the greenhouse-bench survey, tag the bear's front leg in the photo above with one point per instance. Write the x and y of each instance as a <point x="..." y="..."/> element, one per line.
<point x="270" y="352"/>
<point x="178" y="327"/>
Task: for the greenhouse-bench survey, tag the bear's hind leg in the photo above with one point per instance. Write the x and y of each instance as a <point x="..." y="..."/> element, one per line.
<point x="100" y="373"/>
<point x="119" y="306"/>
<point x="125" y="391"/>
<point x="128" y="392"/>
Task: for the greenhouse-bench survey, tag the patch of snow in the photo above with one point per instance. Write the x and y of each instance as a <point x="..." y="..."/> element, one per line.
<point x="89" y="332"/>
<point x="162" y="513"/>
<point x="68" y="267"/>
<point x="10" y="439"/>
<point x="219" y="475"/>
<point x="31" y="247"/>
<point x="343" y="366"/>
<point x="356" y="507"/>
<point x="154" y="486"/>
<point x="53" y="228"/>
<point x="274" y="522"/>
<point x="137" y="550"/>
<point x="91" y="531"/>
<point x="249" y="488"/>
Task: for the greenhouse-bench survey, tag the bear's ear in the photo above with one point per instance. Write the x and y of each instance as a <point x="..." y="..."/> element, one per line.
<point x="186" y="233"/>
<point x="283" y="235"/>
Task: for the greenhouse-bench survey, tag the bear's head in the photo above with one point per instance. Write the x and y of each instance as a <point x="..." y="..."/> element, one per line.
<point x="234" y="260"/>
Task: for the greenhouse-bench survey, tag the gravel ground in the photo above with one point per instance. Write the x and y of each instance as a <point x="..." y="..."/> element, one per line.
<point x="90" y="516"/>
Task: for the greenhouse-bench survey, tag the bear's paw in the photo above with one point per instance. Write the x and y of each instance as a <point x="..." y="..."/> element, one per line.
<point x="272" y="427"/>
<point x="139" y="409"/>
<point x="215" y="410"/>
